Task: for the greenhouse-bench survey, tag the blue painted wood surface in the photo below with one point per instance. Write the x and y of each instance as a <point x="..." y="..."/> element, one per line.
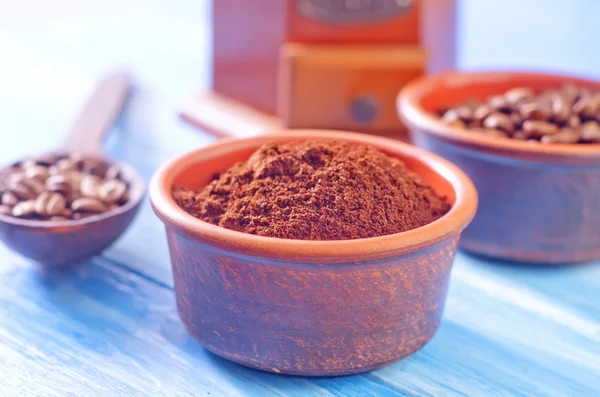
<point x="109" y="327"/>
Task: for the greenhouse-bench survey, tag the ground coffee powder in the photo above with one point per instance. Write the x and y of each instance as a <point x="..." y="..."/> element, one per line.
<point x="313" y="190"/>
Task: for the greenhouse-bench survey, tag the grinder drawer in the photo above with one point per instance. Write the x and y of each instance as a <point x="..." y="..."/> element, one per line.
<point x="345" y="87"/>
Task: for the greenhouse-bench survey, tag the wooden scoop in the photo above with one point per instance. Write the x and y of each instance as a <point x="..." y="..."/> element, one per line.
<point x="58" y="243"/>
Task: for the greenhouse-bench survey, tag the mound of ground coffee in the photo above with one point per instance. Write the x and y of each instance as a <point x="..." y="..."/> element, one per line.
<point x="313" y="190"/>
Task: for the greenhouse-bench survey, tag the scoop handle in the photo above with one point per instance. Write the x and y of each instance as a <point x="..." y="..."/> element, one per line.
<point x="99" y="114"/>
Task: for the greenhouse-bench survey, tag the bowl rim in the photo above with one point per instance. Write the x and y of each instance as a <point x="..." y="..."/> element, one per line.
<point x="452" y="223"/>
<point x="416" y="116"/>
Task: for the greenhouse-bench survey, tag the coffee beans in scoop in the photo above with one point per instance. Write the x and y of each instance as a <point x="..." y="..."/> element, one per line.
<point x="570" y="114"/>
<point x="61" y="187"/>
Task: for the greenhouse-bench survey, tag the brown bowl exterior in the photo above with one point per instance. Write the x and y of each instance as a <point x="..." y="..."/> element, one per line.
<point x="313" y="308"/>
<point x="309" y="318"/>
<point x="67" y="244"/>
<point x="539" y="203"/>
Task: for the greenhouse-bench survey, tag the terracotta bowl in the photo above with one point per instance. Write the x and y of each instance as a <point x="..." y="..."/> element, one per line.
<point x="539" y="203"/>
<point x="310" y="307"/>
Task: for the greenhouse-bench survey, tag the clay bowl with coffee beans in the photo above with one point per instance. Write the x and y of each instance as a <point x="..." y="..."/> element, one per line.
<point x="306" y="307"/>
<point x="531" y="144"/>
<point x="60" y="208"/>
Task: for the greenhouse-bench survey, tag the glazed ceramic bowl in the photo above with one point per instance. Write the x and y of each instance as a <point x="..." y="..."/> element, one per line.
<point x="310" y="307"/>
<point x="538" y="202"/>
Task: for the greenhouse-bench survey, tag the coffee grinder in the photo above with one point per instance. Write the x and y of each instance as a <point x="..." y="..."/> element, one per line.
<point x="329" y="64"/>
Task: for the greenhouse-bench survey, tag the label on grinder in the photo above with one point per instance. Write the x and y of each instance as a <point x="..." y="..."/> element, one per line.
<point x="352" y="11"/>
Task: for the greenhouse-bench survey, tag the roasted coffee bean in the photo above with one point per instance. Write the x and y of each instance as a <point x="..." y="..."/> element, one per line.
<point x="9" y="199"/>
<point x="35" y="184"/>
<point x="574" y="121"/>
<point x="452" y="119"/>
<point x="587" y="106"/>
<point x="90" y="185"/>
<point x="5" y="210"/>
<point x="125" y="198"/>
<point x="499" y="103"/>
<point x="464" y="113"/>
<point x="570" y="93"/>
<point x="50" y="204"/>
<point x="75" y="178"/>
<point x="95" y="167"/>
<point x="547" y="94"/>
<point x="38" y="172"/>
<point x="537" y="129"/>
<point x="88" y="204"/>
<point x="565" y="135"/>
<point x="516" y="119"/>
<point x="24" y="209"/>
<point x="113" y="172"/>
<point x="16" y="177"/>
<point x="499" y="121"/>
<point x="517" y="95"/>
<point x="535" y="111"/>
<point x="58" y="183"/>
<point x="27" y="188"/>
<point x="13" y="176"/>
<point x="78" y="160"/>
<point x="22" y="190"/>
<point x="64" y="168"/>
<point x="561" y="109"/>
<point x="27" y="164"/>
<point x="482" y="112"/>
<point x="590" y="132"/>
<point x="112" y="191"/>
<point x="65" y="165"/>
<point x="75" y="194"/>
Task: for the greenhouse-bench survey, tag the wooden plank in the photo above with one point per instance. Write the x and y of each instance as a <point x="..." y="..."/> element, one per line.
<point x="103" y="328"/>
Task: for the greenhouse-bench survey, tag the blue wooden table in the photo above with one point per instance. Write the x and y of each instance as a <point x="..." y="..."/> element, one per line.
<point x="109" y="327"/>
